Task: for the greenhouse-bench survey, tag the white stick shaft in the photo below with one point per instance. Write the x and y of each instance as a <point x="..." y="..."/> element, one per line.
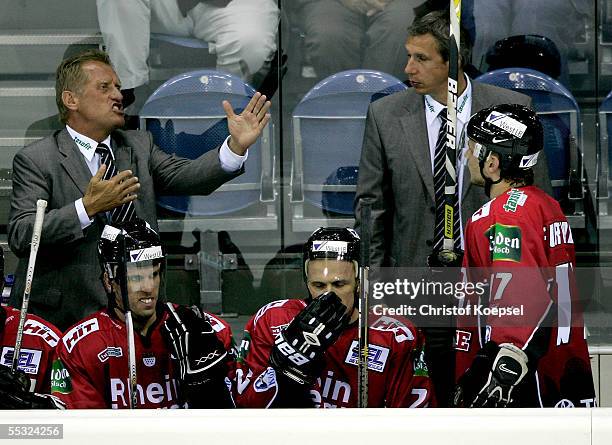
<point x="41" y="205"/>
<point x="132" y="389"/>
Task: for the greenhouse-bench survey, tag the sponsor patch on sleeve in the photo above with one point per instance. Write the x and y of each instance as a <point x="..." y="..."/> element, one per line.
<point x="60" y="378"/>
<point x="36" y="328"/>
<point x="377" y="356"/>
<point x="77" y="333"/>
<point x="111" y="351"/>
<point x="29" y="359"/>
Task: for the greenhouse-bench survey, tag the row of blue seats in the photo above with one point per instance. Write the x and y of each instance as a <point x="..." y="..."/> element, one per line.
<point x="186" y="117"/>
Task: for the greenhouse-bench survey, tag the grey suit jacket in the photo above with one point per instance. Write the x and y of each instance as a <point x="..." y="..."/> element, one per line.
<point x="66" y="285"/>
<point x="395" y="171"/>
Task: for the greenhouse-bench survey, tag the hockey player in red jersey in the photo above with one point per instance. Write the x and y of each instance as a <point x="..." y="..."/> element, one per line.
<point x="303" y="353"/>
<point x="529" y="349"/>
<point x="29" y="386"/>
<point x="92" y="366"/>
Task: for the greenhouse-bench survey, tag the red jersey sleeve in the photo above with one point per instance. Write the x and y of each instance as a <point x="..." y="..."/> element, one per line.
<point x="77" y="377"/>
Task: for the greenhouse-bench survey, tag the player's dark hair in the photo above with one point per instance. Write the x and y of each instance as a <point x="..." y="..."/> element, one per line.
<point x="437" y="24"/>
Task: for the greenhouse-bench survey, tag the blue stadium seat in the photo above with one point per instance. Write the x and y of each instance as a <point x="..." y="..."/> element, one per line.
<point x="186" y="118"/>
<point x="604" y="177"/>
<point x="328" y="128"/>
<point x="560" y="116"/>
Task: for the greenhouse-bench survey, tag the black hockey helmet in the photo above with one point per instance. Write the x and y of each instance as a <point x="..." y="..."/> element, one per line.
<point x="130" y="241"/>
<point x="527" y="51"/>
<point x="339" y="243"/>
<point x="512" y="131"/>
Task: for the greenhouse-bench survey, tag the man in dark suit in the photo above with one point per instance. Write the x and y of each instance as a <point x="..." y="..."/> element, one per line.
<point x="66" y="169"/>
<point x="396" y="167"/>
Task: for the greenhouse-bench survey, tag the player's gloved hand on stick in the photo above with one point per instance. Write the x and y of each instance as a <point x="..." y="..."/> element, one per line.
<point x="15" y="394"/>
<point x="493" y="377"/>
<point x="200" y="355"/>
<point x="445" y="258"/>
<point x="298" y="350"/>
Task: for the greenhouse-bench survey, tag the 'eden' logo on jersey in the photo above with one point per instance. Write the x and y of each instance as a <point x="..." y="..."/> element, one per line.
<point x="377" y="356"/>
<point x="559" y="233"/>
<point x="515" y="198"/>
<point x="504" y="242"/>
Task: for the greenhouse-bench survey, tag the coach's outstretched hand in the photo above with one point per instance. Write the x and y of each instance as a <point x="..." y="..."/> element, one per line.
<point x="246" y="127"/>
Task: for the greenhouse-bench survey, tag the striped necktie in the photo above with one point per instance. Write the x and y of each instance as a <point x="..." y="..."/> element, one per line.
<point x="439" y="184"/>
<point x="124" y="212"/>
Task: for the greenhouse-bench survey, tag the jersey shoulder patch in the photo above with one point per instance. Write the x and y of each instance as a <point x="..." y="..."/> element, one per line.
<point x="274" y="304"/>
<point x="79" y="332"/>
<point x="482" y="212"/>
<point x="38" y="329"/>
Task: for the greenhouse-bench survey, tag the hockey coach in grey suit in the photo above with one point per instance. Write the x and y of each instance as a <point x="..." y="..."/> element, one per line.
<point x="396" y="170"/>
<point x="66" y="170"/>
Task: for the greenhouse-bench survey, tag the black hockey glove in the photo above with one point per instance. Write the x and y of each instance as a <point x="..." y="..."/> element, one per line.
<point x="15" y="394"/>
<point x="298" y="350"/>
<point x="492" y="378"/>
<point x="200" y="355"/>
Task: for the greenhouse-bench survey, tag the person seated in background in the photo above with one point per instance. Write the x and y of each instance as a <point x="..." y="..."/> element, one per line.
<point x="527" y="51"/>
<point x="303" y="353"/>
<point x="347" y="34"/>
<point x="28" y="387"/>
<point x="242" y="33"/>
<point x="559" y="20"/>
<point x="182" y="356"/>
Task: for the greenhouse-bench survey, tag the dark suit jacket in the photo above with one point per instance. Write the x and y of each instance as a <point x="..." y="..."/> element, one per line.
<point x="66" y="285"/>
<point x="395" y="170"/>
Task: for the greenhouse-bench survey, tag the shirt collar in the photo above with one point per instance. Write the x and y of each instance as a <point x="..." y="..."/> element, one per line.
<point x="433" y="107"/>
<point x="86" y="145"/>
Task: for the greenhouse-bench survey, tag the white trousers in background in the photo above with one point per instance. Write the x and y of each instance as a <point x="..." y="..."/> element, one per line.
<point x="242" y="34"/>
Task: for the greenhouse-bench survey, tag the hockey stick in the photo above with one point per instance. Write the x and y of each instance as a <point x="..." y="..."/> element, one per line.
<point x="132" y="376"/>
<point x="447" y="255"/>
<point x="41" y="205"/>
<point x="364" y="270"/>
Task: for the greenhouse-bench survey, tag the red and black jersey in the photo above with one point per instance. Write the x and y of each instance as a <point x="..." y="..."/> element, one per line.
<point x="398" y="375"/>
<point x="91" y="370"/>
<point x="37" y="347"/>
<point x="521" y="245"/>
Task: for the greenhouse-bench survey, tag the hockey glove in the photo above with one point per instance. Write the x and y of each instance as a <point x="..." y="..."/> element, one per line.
<point x="445" y="258"/>
<point x="298" y="350"/>
<point x="14" y="393"/>
<point x="504" y="367"/>
<point x="196" y="348"/>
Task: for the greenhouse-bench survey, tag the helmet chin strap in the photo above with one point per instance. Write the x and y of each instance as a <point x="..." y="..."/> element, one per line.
<point x="488" y="182"/>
